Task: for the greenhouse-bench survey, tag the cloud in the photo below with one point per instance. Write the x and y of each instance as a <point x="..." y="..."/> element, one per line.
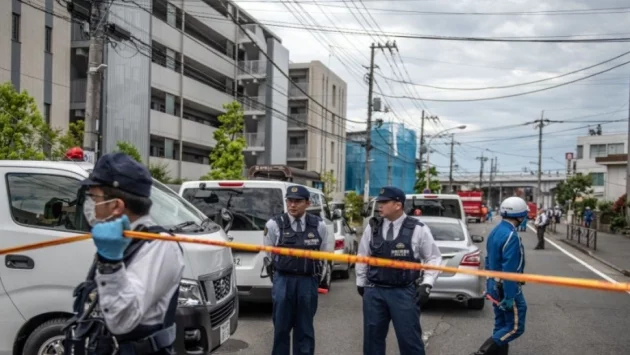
<point x="473" y="64"/>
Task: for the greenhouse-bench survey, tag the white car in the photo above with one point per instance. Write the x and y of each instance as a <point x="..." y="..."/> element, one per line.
<point x="252" y="203"/>
<point x="459" y="251"/>
<point x="346" y="242"/>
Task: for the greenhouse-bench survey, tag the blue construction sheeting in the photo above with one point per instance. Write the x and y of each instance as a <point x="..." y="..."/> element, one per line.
<point x="394" y="145"/>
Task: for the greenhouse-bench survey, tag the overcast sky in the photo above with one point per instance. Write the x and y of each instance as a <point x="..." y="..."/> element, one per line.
<point x="458" y="64"/>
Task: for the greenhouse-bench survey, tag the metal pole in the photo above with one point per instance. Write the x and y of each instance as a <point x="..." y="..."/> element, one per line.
<point x="427" y="176"/>
<point x="94" y="80"/>
<point x="540" y="133"/>
<point x="389" y="156"/>
<point x="368" y="138"/>
<point x="628" y="166"/>
<point x="490" y="183"/>
<point x="421" y="141"/>
<point x="450" y="170"/>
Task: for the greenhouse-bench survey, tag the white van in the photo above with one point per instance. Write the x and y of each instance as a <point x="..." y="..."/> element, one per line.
<point x="39" y="202"/>
<point x="443" y="205"/>
<point x="253" y="203"/>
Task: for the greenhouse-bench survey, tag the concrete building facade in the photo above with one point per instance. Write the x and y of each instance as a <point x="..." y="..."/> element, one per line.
<point x="35" y="56"/>
<point x="316" y="134"/>
<point x="600" y="155"/>
<point x="164" y="90"/>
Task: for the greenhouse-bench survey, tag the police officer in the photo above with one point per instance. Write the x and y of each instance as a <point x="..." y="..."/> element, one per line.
<point x="130" y="295"/>
<point x="295" y="280"/>
<point x="395" y="294"/>
<point x="505" y="253"/>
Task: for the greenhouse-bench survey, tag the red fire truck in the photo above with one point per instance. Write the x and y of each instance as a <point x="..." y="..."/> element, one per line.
<point x="533" y="210"/>
<point x="472" y="201"/>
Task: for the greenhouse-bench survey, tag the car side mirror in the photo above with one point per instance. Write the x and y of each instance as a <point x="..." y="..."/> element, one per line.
<point x="337" y="214"/>
<point x="477" y="239"/>
<point x="354" y="229"/>
<point x="227" y="216"/>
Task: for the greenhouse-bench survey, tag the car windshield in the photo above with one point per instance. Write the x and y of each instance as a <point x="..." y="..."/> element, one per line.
<point x="438" y="207"/>
<point x="446" y="231"/>
<point x="170" y="210"/>
<point x="251" y="207"/>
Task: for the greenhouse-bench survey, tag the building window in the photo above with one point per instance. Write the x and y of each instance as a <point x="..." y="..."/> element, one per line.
<point x="598" y="179"/>
<point x="48" y="43"/>
<point x="334" y="95"/>
<point x="616" y="148"/>
<point x="15" y="29"/>
<point x="169" y="104"/>
<point x="170" y="58"/>
<point x="171" y="14"/>
<point x="580" y="152"/>
<point x="332" y="152"/>
<point x="47" y="113"/>
<point x="332" y="120"/>
<point x="597" y="150"/>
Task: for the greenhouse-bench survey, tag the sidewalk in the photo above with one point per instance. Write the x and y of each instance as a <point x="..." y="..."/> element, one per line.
<point x="612" y="249"/>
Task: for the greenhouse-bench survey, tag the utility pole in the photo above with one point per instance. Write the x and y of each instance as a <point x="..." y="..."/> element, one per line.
<point x="450" y="170"/>
<point x="368" y="137"/>
<point x="433" y="118"/>
<point x="94" y="79"/>
<point x="482" y="160"/>
<point x="389" y="156"/>
<point x="493" y="169"/>
<point x="628" y="165"/>
<point x="540" y="123"/>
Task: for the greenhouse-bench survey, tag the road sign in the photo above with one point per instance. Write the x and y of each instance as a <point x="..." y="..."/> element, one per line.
<point x="568" y="156"/>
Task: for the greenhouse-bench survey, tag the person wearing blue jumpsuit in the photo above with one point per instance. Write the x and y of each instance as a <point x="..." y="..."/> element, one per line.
<point x="395" y="295"/>
<point x="295" y="280"/>
<point x="523" y="226"/>
<point x="588" y="217"/>
<point x="505" y="253"/>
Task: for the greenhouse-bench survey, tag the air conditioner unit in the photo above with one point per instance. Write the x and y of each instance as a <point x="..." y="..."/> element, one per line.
<point x="82" y="52"/>
<point x="79" y="113"/>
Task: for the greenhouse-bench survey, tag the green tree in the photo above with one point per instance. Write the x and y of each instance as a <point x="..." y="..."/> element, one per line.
<point x="227" y="159"/>
<point x="129" y="149"/>
<point x="73" y="137"/>
<point x="354" y="206"/>
<point x="421" y="182"/>
<point x="575" y="186"/>
<point x="330" y="182"/>
<point x="160" y="173"/>
<point x="23" y="132"/>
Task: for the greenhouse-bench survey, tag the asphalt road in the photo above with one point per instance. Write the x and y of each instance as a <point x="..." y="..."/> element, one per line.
<point x="560" y="320"/>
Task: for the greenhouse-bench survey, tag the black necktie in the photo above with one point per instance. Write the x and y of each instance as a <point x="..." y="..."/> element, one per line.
<point x="390" y="231"/>
<point x="298" y="225"/>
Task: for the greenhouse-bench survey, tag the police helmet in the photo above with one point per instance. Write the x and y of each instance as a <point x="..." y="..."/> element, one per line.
<point x="513" y="207"/>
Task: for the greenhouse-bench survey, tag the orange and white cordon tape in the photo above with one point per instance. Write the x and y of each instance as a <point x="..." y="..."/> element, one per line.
<point x="346" y="258"/>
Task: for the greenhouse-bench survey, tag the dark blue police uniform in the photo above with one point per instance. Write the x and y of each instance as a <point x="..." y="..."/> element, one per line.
<point x="295" y="280"/>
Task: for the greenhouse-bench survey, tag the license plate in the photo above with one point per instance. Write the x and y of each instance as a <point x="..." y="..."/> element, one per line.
<point x="237" y="261"/>
<point x="225" y="331"/>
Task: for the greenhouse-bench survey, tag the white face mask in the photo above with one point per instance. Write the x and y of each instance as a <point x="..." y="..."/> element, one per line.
<point x="89" y="211"/>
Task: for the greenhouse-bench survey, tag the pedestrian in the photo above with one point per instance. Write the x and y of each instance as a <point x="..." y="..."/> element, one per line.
<point x="484" y="213"/>
<point x="505" y="253"/>
<point x="558" y="214"/>
<point x="136" y="282"/>
<point x="295" y="280"/>
<point x="389" y="294"/>
<point x="523" y="226"/>
<point x="588" y="217"/>
<point x="490" y="214"/>
<point x="541" y="225"/>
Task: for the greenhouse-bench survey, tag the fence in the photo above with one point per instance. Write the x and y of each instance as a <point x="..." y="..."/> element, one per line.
<point x="583" y="235"/>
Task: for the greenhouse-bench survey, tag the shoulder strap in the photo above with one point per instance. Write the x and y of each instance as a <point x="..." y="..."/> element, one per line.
<point x="283" y="221"/>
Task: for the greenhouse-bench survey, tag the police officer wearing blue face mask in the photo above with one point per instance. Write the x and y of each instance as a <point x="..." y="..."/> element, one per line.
<point x="395" y="294"/>
<point x="295" y="280"/>
<point x="127" y="304"/>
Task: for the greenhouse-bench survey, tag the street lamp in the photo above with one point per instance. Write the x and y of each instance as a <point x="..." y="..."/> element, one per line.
<point x="428" y="174"/>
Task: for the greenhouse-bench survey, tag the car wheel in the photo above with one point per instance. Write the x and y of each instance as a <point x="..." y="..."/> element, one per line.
<point x="476" y="303"/>
<point x="47" y="339"/>
<point x="345" y="274"/>
<point x="327" y="281"/>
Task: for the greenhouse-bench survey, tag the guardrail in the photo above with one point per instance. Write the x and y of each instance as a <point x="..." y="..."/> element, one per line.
<point x="583" y="235"/>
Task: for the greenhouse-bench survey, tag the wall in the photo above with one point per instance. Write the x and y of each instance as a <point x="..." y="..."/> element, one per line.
<point x="127" y="81"/>
<point x="587" y="165"/>
<point x="276" y="119"/>
<point x="615" y="182"/>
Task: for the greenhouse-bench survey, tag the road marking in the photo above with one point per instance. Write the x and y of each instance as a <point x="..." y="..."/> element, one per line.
<point x="584" y="263"/>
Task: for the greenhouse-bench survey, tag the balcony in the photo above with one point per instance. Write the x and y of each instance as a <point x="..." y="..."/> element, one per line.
<point x="167" y="126"/>
<point x="253" y="103"/>
<point x="256" y="33"/>
<point x="77" y="91"/>
<point x="191" y="171"/>
<point x="296" y="151"/>
<point x="295" y="92"/>
<point x="298" y="120"/>
<point x="255" y="141"/>
<point x="209" y="56"/>
<point x="79" y="37"/>
<point x="252" y="67"/>
<point x="166" y="34"/>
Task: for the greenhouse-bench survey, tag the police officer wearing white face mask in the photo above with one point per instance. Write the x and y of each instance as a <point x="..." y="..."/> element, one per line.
<point x="127" y="304"/>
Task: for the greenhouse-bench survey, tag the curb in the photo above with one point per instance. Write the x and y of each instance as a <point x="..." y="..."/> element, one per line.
<point x="592" y="255"/>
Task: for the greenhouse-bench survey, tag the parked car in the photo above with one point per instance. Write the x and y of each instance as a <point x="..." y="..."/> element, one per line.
<point x="459" y="251"/>
<point x="346" y="242"/>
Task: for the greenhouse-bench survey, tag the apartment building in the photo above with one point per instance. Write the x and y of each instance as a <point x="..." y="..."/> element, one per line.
<point x="164" y="90"/>
<point x="316" y="134"/>
<point x="603" y="156"/>
<point x="35" y="56"/>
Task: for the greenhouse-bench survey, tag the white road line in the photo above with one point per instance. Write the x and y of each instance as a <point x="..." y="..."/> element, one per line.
<point x="586" y="265"/>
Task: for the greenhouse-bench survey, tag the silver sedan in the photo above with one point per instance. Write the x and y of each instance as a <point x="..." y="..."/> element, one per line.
<point x="458" y="251"/>
<point x="346" y="242"/>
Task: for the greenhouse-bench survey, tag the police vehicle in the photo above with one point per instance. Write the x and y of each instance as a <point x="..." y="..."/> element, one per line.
<point x="39" y="203"/>
<point x="252" y="203"/>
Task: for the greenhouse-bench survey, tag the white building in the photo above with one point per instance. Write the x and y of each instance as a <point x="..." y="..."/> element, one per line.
<point x="164" y="90"/>
<point x="602" y="157"/>
<point x="317" y="135"/>
<point x="36" y="55"/>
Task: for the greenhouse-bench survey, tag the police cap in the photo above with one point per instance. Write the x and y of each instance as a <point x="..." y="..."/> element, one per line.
<point x="298" y="192"/>
<point x="391" y="193"/>
<point x="121" y="171"/>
